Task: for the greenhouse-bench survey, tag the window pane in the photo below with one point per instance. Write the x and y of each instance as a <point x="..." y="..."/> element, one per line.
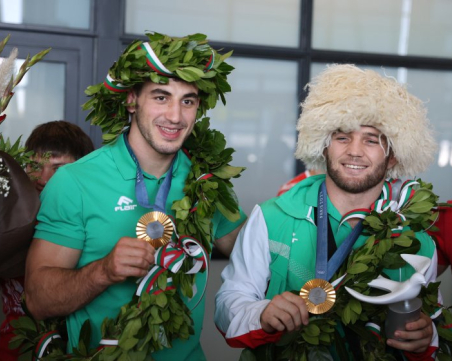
<point x="37" y="99"/>
<point x="61" y="13"/>
<point x="435" y="89"/>
<point x="403" y="27"/>
<point x="240" y="21"/>
<point x="259" y="122"/>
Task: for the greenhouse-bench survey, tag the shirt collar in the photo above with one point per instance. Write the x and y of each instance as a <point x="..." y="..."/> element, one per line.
<point x="297" y="202"/>
<point x="125" y="164"/>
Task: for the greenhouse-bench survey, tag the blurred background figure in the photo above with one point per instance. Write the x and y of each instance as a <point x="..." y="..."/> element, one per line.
<point x="54" y="144"/>
<point x="443" y="237"/>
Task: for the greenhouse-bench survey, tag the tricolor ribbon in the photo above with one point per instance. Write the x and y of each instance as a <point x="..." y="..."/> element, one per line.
<point x="394" y="196"/>
<point x="374" y="329"/>
<point x="171" y="257"/>
<point x="114" y="86"/>
<point x="153" y="61"/>
<point x="43" y="343"/>
<point x="210" y="63"/>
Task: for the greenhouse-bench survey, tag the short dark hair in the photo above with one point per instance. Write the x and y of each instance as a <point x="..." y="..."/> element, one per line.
<point x="59" y="138"/>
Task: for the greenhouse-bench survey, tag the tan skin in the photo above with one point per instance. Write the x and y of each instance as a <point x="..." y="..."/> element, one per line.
<point x="167" y="115"/>
<point x="43" y="170"/>
<point x="354" y="156"/>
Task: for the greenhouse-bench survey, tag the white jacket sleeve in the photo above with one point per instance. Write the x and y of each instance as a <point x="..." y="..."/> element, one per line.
<point x="241" y="298"/>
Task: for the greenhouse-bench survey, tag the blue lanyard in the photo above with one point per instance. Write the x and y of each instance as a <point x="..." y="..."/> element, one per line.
<point x="325" y="269"/>
<point x="140" y="187"/>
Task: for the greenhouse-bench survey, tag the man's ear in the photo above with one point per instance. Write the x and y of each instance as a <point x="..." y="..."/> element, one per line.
<point x="131" y="99"/>
<point x="392" y="160"/>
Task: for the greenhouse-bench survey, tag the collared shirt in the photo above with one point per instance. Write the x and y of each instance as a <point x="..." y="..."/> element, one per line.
<point x="89" y="205"/>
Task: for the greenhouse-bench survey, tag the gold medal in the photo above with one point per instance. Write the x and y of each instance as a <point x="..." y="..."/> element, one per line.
<point x="155" y="228"/>
<point x="319" y="296"/>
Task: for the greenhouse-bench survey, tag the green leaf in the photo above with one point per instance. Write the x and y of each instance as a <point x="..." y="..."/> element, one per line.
<point x="313" y="340"/>
<point x="403" y="241"/>
<point x="312" y="330"/>
<point x="161" y="300"/>
<point x="162" y="281"/>
<point x="420" y="207"/>
<point x="231" y="216"/>
<point x="227" y="172"/>
<point x="357" y="268"/>
<point x="185" y="203"/>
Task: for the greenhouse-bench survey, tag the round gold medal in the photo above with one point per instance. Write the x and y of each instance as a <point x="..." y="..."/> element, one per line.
<point x="319" y="296"/>
<point x="155" y="228"/>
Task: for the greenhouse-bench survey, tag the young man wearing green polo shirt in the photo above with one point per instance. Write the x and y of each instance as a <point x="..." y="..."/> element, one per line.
<point x="85" y="259"/>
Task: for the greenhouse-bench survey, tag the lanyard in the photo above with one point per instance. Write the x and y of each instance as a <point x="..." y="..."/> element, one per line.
<point x="140" y="187"/>
<point x="325" y="269"/>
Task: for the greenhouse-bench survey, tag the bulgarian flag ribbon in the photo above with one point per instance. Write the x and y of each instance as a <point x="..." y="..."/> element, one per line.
<point x="360" y="213"/>
<point x="109" y="83"/>
<point x="394" y="196"/>
<point x="153" y="61"/>
<point x="210" y="63"/>
<point x="171" y="257"/>
<point x="374" y="329"/>
<point x="43" y="343"/>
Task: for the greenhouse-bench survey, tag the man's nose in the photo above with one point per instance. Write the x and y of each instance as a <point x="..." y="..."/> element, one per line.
<point x="44" y="175"/>
<point x="173" y="112"/>
<point x="355" y="148"/>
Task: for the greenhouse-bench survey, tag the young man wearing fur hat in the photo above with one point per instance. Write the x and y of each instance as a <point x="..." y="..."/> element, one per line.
<point x="86" y="260"/>
<point x="360" y="128"/>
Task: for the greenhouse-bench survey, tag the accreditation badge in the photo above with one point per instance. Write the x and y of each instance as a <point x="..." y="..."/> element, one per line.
<point x="319" y="296"/>
<point x="155" y="228"/>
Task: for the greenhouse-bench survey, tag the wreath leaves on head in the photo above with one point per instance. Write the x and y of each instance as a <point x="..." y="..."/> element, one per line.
<point x="189" y="58"/>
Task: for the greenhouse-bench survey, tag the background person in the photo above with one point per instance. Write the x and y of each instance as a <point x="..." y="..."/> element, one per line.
<point x="54" y="144"/>
<point x="62" y="141"/>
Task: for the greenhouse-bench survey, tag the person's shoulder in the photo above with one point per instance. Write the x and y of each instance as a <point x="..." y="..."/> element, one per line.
<point x="95" y="156"/>
<point x="295" y="202"/>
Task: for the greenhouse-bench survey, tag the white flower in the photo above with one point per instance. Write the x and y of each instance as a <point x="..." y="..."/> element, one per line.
<point x="4" y="180"/>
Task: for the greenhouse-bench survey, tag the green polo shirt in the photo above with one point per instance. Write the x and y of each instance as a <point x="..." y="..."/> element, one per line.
<point x="89" y="205"/>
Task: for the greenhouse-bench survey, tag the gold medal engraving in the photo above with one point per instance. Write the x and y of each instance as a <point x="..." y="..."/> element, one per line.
<point x="319" y="296"/>
<point x="155" y="228"/>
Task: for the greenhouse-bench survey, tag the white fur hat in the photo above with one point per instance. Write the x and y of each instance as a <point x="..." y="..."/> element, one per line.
<point x="345" y="97"/>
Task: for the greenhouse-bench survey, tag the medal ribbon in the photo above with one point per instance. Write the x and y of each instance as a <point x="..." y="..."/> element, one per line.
<point x="43" y="343"/>
<point x="140" y="187"/>
<point x="325" y="269"/>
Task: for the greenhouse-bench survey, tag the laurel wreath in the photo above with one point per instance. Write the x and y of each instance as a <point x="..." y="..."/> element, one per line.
<point x="381" y="251"/>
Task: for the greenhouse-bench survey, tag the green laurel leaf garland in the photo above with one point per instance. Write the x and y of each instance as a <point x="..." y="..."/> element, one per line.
<point x="363" y="265"/>
<point x="150" y="323"/>
<point x="186" y="57"/>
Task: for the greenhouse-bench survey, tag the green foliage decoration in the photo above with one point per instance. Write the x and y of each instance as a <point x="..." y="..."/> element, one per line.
<point x="185" y="57"/>
<point x="381" y="251"/>
<point x="150" y="323"/>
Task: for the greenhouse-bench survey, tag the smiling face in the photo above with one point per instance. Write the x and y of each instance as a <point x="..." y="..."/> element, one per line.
<point x="356" y="161"/>
<point x="164" y="114"/>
